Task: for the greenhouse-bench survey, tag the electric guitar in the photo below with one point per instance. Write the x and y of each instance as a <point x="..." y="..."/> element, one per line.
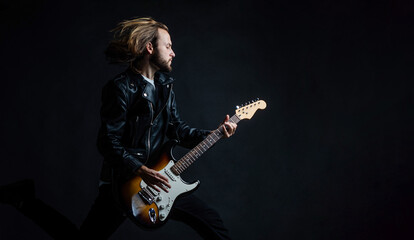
<point x="150" y="208"/>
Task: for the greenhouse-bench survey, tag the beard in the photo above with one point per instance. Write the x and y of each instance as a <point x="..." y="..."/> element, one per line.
<point x="162" y="65"/>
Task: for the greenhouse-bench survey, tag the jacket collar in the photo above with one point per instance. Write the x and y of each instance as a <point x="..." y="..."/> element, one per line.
<point x="160" y="78"/>
<point x="163" y="78"/>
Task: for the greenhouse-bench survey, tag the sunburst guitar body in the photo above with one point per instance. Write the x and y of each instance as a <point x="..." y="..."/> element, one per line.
<point x="148" y="207"/>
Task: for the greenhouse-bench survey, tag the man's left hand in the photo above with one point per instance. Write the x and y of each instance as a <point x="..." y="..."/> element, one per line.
<point x="229" y="128"/>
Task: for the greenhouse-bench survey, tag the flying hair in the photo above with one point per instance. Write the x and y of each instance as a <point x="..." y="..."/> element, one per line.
<point x="130" y="39"/>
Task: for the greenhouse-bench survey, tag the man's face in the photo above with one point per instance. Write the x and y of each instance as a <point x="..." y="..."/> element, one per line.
<point x="163" y="53"/>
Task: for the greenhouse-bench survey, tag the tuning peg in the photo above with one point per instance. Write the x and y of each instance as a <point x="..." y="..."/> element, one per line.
<point x="237" y="107"/>
<point x="257" y="99"/>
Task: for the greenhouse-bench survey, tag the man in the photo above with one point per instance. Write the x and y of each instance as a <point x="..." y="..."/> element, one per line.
<point x="138" y="115"/>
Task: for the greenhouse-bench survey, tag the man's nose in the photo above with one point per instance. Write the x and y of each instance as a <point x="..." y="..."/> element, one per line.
<point x="172" y="53"/>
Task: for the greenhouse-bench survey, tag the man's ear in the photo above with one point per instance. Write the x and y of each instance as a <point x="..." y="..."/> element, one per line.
<point x="150" y="48"/>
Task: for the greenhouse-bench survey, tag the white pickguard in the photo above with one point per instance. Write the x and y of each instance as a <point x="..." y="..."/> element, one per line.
<point x="164" y="200"/>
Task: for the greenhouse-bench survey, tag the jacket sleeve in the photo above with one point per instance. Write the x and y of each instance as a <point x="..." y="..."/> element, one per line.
<point x="187" y="137"/>
<point x="113" y="122"/>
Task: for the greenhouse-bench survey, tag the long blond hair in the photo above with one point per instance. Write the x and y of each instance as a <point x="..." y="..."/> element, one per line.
<point x="128" y="45"/>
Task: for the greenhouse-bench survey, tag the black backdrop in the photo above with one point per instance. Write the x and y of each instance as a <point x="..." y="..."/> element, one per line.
<point x="328" y="159"/>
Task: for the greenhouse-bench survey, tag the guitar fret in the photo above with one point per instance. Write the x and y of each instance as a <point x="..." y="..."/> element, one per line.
<point x="201" y="152"/>
<point x="216" y="136"/>
<point x="181" y="167"/>
<point x="191" y="157"/>
<point x="185" y="165"/>
<point x="196" y="154"/>
<point x="201" y="148"/>
<point x="187" y="162"/>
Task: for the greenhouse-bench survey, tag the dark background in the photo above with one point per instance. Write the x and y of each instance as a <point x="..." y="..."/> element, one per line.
<point x="328" y="159"/>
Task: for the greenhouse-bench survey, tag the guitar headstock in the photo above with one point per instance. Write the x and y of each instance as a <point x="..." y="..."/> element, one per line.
<point x="247" y="110"/>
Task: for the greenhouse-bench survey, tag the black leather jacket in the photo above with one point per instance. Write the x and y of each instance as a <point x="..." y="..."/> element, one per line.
<point x="135" y="125"/>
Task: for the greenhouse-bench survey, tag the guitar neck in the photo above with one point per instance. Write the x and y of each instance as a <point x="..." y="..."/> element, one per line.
<point x="181" y="165"/>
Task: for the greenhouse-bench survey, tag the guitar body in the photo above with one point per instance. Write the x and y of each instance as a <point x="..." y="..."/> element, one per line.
<point x="146" y="206"/>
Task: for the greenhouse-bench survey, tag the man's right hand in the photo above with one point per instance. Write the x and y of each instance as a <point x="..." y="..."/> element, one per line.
<point x="153" y="178"/>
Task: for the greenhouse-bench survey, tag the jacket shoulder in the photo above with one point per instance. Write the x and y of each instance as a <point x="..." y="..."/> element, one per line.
<point x="121" y="81"/>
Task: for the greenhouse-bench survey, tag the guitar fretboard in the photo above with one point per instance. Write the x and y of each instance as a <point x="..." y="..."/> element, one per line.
<point x="182" y="164"/>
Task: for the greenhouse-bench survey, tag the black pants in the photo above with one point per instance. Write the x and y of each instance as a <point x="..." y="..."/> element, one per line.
<point x="105" y="217"/>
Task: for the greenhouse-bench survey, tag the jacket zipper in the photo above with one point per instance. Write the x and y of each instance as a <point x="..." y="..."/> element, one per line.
<point x="152" y="122"/>
<point x="162" y="109"/>
<point x="149" y="133"/>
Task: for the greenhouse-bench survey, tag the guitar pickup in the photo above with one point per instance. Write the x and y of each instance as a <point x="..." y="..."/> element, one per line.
<point x="146" y="197"/>
<point x="170" y="175"/>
